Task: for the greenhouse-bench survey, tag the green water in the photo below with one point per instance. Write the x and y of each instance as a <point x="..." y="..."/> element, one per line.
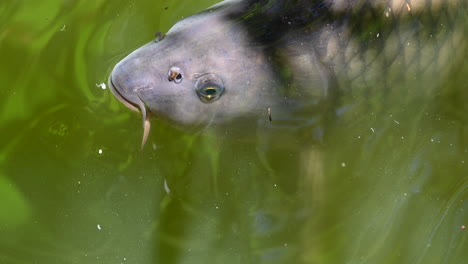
<point x="386" y="186"/>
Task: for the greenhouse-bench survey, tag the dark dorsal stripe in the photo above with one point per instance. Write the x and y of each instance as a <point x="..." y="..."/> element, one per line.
<point x="269" y="20"/>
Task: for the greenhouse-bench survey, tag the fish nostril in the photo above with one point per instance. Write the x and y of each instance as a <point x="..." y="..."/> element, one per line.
<point x="175" y="75"/>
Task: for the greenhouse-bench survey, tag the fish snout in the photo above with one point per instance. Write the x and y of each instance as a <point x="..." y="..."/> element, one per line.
<point x="120" y="95"/>
<point x="126" y="85"/>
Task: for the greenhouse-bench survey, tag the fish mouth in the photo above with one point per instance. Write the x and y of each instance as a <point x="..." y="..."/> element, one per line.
<point x="138" y="106"/>
<point x="120" y="97"/>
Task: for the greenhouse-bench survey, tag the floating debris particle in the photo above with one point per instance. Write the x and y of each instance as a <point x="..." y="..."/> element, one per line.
<point x="63" y="28"/>
<point x="396" y="122"/>
<point x="166" y="187"/>
<point x="373" y="131"/>
<point x="99" y="227"/>
<point x="408" y="7"/>
<point x="343" y="164"/>
<point x="99" y="151"/>
<point x="387" y="13"/>
<point x="101" y="85"/>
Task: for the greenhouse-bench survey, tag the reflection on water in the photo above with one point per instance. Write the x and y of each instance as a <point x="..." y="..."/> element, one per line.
<point x="384" y="181"/>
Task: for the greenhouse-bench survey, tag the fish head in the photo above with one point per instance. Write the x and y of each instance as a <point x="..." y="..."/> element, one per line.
<point x="204" y="71"/>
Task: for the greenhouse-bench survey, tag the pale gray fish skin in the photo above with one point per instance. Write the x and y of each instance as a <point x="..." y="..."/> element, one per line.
<point x="319" y="60"/>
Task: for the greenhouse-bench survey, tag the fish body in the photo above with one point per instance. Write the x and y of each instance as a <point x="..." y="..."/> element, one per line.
<point x="285" y="62"/>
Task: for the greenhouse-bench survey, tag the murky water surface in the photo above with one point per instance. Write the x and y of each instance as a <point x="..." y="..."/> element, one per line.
<point x="385" y="182"/>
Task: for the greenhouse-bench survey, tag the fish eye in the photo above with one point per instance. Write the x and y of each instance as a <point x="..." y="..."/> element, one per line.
<point x="175" y="75"/>
<point x="209" y="93"/>
<point x="209" y="87"/>
<point x="211" y="90"/>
